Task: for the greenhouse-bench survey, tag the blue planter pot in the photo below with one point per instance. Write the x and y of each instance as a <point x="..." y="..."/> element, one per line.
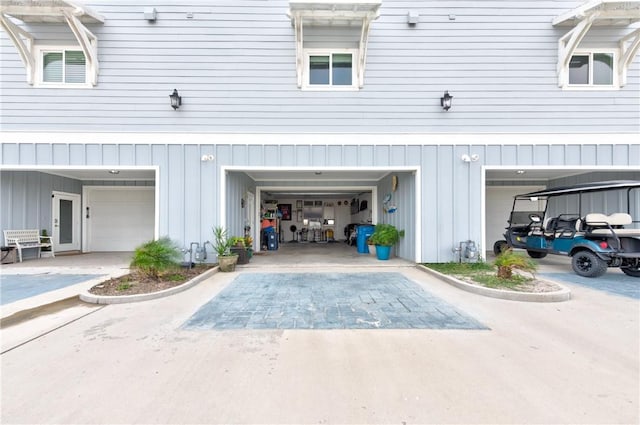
<point x="383" y="252"/>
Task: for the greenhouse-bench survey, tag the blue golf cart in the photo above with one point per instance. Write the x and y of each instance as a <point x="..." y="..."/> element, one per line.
<point x="593" y="240"/>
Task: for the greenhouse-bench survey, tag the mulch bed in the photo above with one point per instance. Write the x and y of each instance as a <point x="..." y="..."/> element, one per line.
<point x="133" y="283"/>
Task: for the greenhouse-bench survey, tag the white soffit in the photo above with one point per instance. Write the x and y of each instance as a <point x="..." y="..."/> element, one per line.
<point x="329" y="13"/>
<point x="50" y="11"/>
<point x="607" y="13"/>
<point x="603" y="13"/>
<point x="44" y="11"/>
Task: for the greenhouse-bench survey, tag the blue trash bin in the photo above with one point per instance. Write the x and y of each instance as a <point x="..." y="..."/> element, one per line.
<point x="363" y="232"/>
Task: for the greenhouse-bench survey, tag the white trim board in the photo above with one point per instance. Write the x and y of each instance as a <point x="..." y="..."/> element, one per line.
<point x="420" y="139"/>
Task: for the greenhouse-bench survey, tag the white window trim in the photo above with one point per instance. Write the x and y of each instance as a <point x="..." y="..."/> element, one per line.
<point x="590" y="52"/>
<point x="39" y="54"/>
<point x="330" y="87"/>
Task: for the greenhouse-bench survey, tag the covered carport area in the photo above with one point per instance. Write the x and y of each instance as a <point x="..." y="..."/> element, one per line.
<point x="82" y="208"/>
<point x="504" y="182"/>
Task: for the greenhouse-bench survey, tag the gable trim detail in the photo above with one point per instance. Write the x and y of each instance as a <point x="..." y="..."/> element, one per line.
<point x="54" y="11"/>
<point x="611" y="13"/>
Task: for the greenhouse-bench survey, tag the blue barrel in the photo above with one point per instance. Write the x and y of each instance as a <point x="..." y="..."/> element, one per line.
<point x="363" y="233"/>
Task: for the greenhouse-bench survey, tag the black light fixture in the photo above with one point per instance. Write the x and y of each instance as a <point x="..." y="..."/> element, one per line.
<point x="176" y="99"/>
<point x="445" y="101"/>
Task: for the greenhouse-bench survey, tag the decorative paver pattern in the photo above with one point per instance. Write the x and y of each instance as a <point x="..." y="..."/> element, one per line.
<point x="327" y="301"/>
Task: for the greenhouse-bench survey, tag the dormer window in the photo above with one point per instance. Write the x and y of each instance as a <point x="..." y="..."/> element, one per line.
<point x="45" y="65"/>
<point x="324" y="61"/>
<point x="583" y="66"/>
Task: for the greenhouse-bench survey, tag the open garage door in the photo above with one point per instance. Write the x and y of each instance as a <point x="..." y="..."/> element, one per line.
<point x="499" y="203"/>
<point x="118" y="218"/>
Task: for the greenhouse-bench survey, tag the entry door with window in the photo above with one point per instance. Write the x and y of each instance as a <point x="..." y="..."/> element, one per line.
<point x="66" y="223"/>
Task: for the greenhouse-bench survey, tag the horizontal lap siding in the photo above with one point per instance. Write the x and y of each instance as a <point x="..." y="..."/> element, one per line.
<point x="234" y="65"/>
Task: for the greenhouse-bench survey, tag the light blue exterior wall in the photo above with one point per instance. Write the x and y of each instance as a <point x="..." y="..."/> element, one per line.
<point x="234" y="65"/>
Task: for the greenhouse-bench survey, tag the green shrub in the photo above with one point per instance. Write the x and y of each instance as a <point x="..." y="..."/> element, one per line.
<point x="221" y="241"/>
<point x="153" y="258"/>
<point x="385" y="235"/>
<point x="508" y="261"/>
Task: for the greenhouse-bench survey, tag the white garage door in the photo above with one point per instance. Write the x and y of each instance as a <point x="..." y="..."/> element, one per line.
<point x="119" y="219"/>
<point x="499" y="203"/>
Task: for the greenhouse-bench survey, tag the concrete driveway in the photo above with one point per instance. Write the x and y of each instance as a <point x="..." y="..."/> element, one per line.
<point x="572" y="362"/>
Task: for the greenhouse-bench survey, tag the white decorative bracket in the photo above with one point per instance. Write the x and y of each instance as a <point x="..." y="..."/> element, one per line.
<point x="23" y="42"/>
<point x="629" y="46"/>
<point x="88" y="43"/>
<point x="567" y="46"/>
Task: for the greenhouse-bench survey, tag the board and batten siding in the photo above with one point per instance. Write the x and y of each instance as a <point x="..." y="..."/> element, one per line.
<point x="25" y="199"/>
<point x="451" y="190"/>
<point x="233" y="63"/>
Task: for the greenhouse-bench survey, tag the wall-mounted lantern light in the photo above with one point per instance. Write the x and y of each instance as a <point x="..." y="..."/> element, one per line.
<point x="445" y="101"/>
<point x="176" y="99"/>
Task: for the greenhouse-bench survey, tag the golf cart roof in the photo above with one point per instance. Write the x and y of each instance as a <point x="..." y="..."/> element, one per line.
<point x="583" y="188"/>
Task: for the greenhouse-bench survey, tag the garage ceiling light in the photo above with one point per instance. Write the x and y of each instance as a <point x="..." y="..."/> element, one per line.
<point x="520" y="172"/>
<point x="114" y="171"/>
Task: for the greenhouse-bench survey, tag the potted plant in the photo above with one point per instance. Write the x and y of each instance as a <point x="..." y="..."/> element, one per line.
<point x="238" y="247"/>
<point x="222" y="245"/>
<point x="371" y="246"/>
<point x="248" y="243"/>
<point x="384" y="237"/>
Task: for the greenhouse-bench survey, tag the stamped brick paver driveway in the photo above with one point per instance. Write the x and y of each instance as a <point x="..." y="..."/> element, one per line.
<point x="328" y="301"/>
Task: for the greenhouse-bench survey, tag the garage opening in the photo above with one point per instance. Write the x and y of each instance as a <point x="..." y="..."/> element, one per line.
<point x="82" y="209"/>
<point x="289" y="208"/>
<point x="501" y="185"/>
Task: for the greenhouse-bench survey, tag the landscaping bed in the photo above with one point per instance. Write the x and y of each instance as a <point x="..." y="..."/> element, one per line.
<point x="485" y="275"/>
<point x="136" y="283"/>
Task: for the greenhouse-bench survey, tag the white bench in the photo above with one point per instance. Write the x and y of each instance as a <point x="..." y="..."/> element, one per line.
<point x="23" y="239"/>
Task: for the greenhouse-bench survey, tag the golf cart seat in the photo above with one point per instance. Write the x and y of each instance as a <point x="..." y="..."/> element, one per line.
<point x="562" y="226"/>
<point x="612" y="224"/>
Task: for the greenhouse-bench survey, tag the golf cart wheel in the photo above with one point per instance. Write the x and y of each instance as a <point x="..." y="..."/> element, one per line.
<point x="631" y="271"/>
<point x="587" y="264"/>
<point x="536" y="254"/>
<point x="499" y="247"/>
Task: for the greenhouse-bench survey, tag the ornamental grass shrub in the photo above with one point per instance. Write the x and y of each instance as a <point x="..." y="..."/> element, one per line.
<point x="154" y="258"/>
<point x="508" y="261"/>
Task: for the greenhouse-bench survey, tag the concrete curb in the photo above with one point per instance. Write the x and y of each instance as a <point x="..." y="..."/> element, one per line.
<point x="122" y="299"/>
<point x="564" y="294"/>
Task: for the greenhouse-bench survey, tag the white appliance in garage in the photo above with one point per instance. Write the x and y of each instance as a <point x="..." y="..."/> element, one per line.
<point x="117" y="218"/>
